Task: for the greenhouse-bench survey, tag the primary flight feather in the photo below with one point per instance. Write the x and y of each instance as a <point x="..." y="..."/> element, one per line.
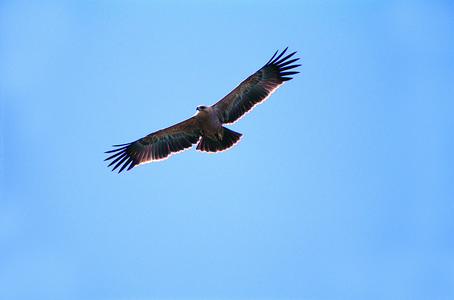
<point x="207" y="122"/>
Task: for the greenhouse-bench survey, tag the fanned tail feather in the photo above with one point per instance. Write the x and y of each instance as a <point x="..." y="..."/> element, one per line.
<point x="229" y="139"/>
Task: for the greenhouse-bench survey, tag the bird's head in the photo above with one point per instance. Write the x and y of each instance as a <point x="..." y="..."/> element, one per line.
<point x="201" y="108"/>
<point x="204" y="110"/>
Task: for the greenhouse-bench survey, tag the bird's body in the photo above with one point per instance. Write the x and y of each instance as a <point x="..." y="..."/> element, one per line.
<point x="208" y="120"/>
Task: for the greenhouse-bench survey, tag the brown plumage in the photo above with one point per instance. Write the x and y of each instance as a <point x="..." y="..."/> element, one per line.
<point x="208" y="120"/>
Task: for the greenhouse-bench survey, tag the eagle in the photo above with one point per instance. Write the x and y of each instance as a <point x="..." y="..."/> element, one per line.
<point x="205" y="127"/>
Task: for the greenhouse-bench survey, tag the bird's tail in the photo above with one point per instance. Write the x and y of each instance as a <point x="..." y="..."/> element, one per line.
<point x="229" y="139"/>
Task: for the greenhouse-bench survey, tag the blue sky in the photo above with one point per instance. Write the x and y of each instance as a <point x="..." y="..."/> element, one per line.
<point x="341" y="187"/>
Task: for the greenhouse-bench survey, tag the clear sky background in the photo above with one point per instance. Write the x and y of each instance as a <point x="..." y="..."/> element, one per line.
<point x="342" y="186"/>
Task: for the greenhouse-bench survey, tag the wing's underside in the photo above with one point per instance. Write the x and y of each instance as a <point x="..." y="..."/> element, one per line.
<point x="155" y="146"/>
<point x="256" y="88"/>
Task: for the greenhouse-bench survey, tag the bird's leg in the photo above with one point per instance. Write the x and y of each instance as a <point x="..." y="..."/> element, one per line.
<point x="220" y="134"/>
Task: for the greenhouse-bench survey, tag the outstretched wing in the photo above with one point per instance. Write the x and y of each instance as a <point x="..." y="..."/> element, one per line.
<point x="156" y="146"/>
<point x="256" y="88"/>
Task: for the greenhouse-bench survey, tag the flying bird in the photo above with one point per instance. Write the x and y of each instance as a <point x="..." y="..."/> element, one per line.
<point x="205" y="127"/>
